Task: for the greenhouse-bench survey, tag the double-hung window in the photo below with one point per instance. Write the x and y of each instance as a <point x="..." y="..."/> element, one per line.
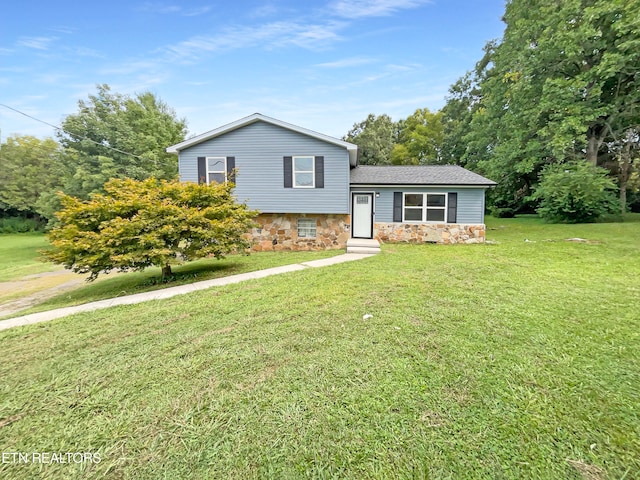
<point x="216" y="170"/>
<point x="303" y="172"/>
<point x="425" y="207"/>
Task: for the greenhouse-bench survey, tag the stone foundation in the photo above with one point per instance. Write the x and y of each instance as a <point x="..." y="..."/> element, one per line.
<point x="429" y="233"/>
<point x="279" y="231"/>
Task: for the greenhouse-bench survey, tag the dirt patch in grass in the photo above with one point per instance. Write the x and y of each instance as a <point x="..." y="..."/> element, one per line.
<point x="9" y="420"/>
<point x="588" y="472"/>
<point x="18" y="295"/>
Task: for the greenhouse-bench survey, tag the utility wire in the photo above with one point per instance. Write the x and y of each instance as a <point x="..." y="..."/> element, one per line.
<point x="73" y="134"/>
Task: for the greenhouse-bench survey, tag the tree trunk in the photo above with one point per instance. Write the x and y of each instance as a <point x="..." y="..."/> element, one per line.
<point x="592" y="149"/>
<point x="595" y="138"/>
<point x="624" y="174"/>
<point x="166" y="271"/>
<point x="623" y="198"/>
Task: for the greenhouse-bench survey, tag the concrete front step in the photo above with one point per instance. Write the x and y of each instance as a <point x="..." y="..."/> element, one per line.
<point x="363" y="245"/>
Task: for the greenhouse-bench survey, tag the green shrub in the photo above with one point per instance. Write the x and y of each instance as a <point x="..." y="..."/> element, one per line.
<point x="574" y="192"/>
<point x="502" y="212"/>
<point x="138" y="224"/>
<point x="20" y="225"/>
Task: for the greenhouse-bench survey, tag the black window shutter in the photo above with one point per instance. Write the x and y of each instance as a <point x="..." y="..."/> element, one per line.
<point x="231" y="165"/>
<point x="319" y="172"/>
<point x="288" y="172"/>
<point x="452" y="208"/>
<point x="202" y="170"/>
<point x="397" y="206"/>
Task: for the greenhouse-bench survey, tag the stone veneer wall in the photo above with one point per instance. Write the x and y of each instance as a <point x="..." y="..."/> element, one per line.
<point x="429" y="233"/>
<point x="279" y="231"/>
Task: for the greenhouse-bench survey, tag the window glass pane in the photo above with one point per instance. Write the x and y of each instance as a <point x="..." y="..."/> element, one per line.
<point x="435" y="201"/>
<point x="413" y="199"/>
<point x="216" y="178"/>
<point x="413" y="214"/>
<point x="306" y="228"/>
<point x="304" y="164"/>
<point x="216" y="164"/>
<point x="435" y="215"/>
<point x="304" y="179"/>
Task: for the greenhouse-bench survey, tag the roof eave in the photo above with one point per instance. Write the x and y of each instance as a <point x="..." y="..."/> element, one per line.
<point x="351" y="148"/>
<point x="384" y="184"/>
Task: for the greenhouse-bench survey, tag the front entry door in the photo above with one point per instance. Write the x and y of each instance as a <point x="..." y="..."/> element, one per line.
<point x="362" y="215"/>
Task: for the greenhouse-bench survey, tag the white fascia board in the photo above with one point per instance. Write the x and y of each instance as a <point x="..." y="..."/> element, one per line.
<point x="416" y="185"/>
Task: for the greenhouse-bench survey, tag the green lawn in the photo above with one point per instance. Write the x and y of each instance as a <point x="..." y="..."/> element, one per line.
<point x="519" y="359"/>
<point x="19" y="256"/>
<point x="150" y="279"/>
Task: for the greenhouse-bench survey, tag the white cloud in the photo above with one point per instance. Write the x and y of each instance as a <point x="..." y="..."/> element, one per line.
<point x="372" y="8"/>
<point x="38" y="43"/>
<point x="393" y="67"/>
<point x="347" y="62"/>
<point x="128" y="68"/>
<point x="62" y="29"/>
<point x="194" y="12"/>
<point x="270" y="35"/>
<point x="168" y="9"/>
<point x="84" y="52"/>
<point x="51" y="78"/>
<point x="266" y="10"/>
<point x="159" y="8"/>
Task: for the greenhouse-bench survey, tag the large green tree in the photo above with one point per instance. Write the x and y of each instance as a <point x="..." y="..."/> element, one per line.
<point x="420" y="139"/>
<point x="119" y="136"/>
<point x="30" y="168"/>
<point x="138" y="224"/>
<point x="375" y="137"/>
<point x="464" y="100"/>
<point x="560" y="85"/>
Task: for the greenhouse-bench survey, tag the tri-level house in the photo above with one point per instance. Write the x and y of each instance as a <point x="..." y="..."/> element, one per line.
<point x="312" y="194"/>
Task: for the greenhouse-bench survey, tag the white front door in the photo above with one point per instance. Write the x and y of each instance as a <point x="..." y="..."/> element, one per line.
<point x="362" y="215"/>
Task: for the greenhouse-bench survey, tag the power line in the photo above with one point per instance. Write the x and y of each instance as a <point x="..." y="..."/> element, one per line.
<point x="73" y="134"/>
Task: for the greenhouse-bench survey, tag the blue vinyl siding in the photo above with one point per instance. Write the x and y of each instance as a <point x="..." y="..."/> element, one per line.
<point x="259" y="149"/>
<point x="470" y="201"/>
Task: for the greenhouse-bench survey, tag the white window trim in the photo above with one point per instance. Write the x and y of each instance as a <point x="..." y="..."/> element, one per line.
<point x="312" y="171"/>
<point x="224" y="172"/>
<point x="315" y="228"/>
<point x="424" y="207"/>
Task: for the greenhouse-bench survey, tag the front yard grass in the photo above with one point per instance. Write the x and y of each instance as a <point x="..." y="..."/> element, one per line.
<point x="519" y="359"/>
<point x="120" y="284"/>
<point x="19" y="255"/>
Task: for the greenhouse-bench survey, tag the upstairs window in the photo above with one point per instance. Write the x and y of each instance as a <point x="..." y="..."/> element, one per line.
<point x="303" y="172"/>
<point x="216" y="170"/>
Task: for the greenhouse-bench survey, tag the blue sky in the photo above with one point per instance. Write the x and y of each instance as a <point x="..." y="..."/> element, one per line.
<point x="322" y="65"/>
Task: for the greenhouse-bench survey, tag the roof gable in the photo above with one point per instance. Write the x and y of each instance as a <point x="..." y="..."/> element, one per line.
<point x="417" y="175"/>
<point x="351" y="148"/>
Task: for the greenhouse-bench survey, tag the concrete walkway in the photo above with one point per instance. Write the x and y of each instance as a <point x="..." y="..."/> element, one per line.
<point x="173" y="291"/>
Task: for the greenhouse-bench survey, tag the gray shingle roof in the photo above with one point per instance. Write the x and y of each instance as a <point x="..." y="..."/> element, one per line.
<point x="416" y="175"/>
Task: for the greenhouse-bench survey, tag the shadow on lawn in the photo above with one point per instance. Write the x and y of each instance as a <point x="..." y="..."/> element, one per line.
<point x="192" y="271"/>
<point x="128" y="283"/>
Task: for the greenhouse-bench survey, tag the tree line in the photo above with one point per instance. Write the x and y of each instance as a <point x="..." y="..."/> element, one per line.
<point x="559" y="90"/>
<point x="111" y="136"/>
<point x="551" y="112"/>
<point x="110" y="191"/>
